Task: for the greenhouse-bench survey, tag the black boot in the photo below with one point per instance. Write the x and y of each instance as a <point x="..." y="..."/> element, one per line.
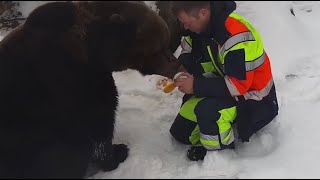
<point x="196" y="153"/>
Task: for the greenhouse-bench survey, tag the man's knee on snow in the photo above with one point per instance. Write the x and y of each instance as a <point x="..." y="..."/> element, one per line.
<point x="181" y="129"/>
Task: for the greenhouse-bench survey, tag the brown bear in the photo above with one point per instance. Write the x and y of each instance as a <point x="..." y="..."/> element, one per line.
<point x="58" y="96"/>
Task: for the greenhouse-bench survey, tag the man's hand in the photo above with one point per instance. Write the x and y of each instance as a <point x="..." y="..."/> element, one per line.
<point x="185" y="84"/>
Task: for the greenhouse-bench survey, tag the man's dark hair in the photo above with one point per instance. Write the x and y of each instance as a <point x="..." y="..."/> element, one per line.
<point x="190" y="7"/>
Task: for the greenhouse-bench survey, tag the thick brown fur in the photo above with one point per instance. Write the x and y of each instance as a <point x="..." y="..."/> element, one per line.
<point x="58" y="96"/>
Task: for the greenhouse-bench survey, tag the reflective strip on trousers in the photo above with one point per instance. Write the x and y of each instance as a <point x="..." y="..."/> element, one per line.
<point x="224" y="124"/>
<point x="236" y="39"/>
<point x="210" y="142"/>
<point x="227" y="137"/>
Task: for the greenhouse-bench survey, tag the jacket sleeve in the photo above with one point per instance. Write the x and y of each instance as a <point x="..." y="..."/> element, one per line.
<point x="237" y="79"/>
<point x="235" y="82"/>
<point x="210" y="87"/>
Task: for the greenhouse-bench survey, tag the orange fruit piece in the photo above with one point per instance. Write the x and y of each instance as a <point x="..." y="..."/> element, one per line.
<point x="169" y="87"/>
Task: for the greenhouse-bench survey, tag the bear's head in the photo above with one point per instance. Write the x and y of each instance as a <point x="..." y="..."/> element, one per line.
<point x="131" y="35"/>
<point x="152" y="47"/>
<point x="110" y="35"/>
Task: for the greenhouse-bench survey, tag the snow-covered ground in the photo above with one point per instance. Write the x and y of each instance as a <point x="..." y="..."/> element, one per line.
<point x="286" y="148"/>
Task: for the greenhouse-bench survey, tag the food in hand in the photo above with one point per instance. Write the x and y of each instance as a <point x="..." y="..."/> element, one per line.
<point x="168" y="85"/>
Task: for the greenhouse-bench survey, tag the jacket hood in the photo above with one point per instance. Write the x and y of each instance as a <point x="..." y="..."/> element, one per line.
<point x="220" y="10"/>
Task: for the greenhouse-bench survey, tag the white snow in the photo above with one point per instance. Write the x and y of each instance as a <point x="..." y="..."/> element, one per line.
<point x="286" y="148"/>
<point x="152" y="5"/>
<point x="25" y="7"/>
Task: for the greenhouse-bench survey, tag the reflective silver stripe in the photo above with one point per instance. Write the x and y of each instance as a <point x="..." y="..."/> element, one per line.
<point x="185" y="47"/>
<point x="238" y="38"/>
<point x="209" y="137"/>
<point x="255" y="95"/>
<point x="258" y="95"/>
<point x="225" y="134"/>
<point x="211" y="148"/>
<point x="232" y="88"/>
<point x="252" y="65"/>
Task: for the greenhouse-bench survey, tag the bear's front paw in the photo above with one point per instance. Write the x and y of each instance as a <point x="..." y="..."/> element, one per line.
<point x="119" y="155"/>
<point x="121" y="152"/>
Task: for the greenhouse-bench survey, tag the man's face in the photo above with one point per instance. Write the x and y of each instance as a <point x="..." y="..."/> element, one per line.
<point x="197" y="23"/>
